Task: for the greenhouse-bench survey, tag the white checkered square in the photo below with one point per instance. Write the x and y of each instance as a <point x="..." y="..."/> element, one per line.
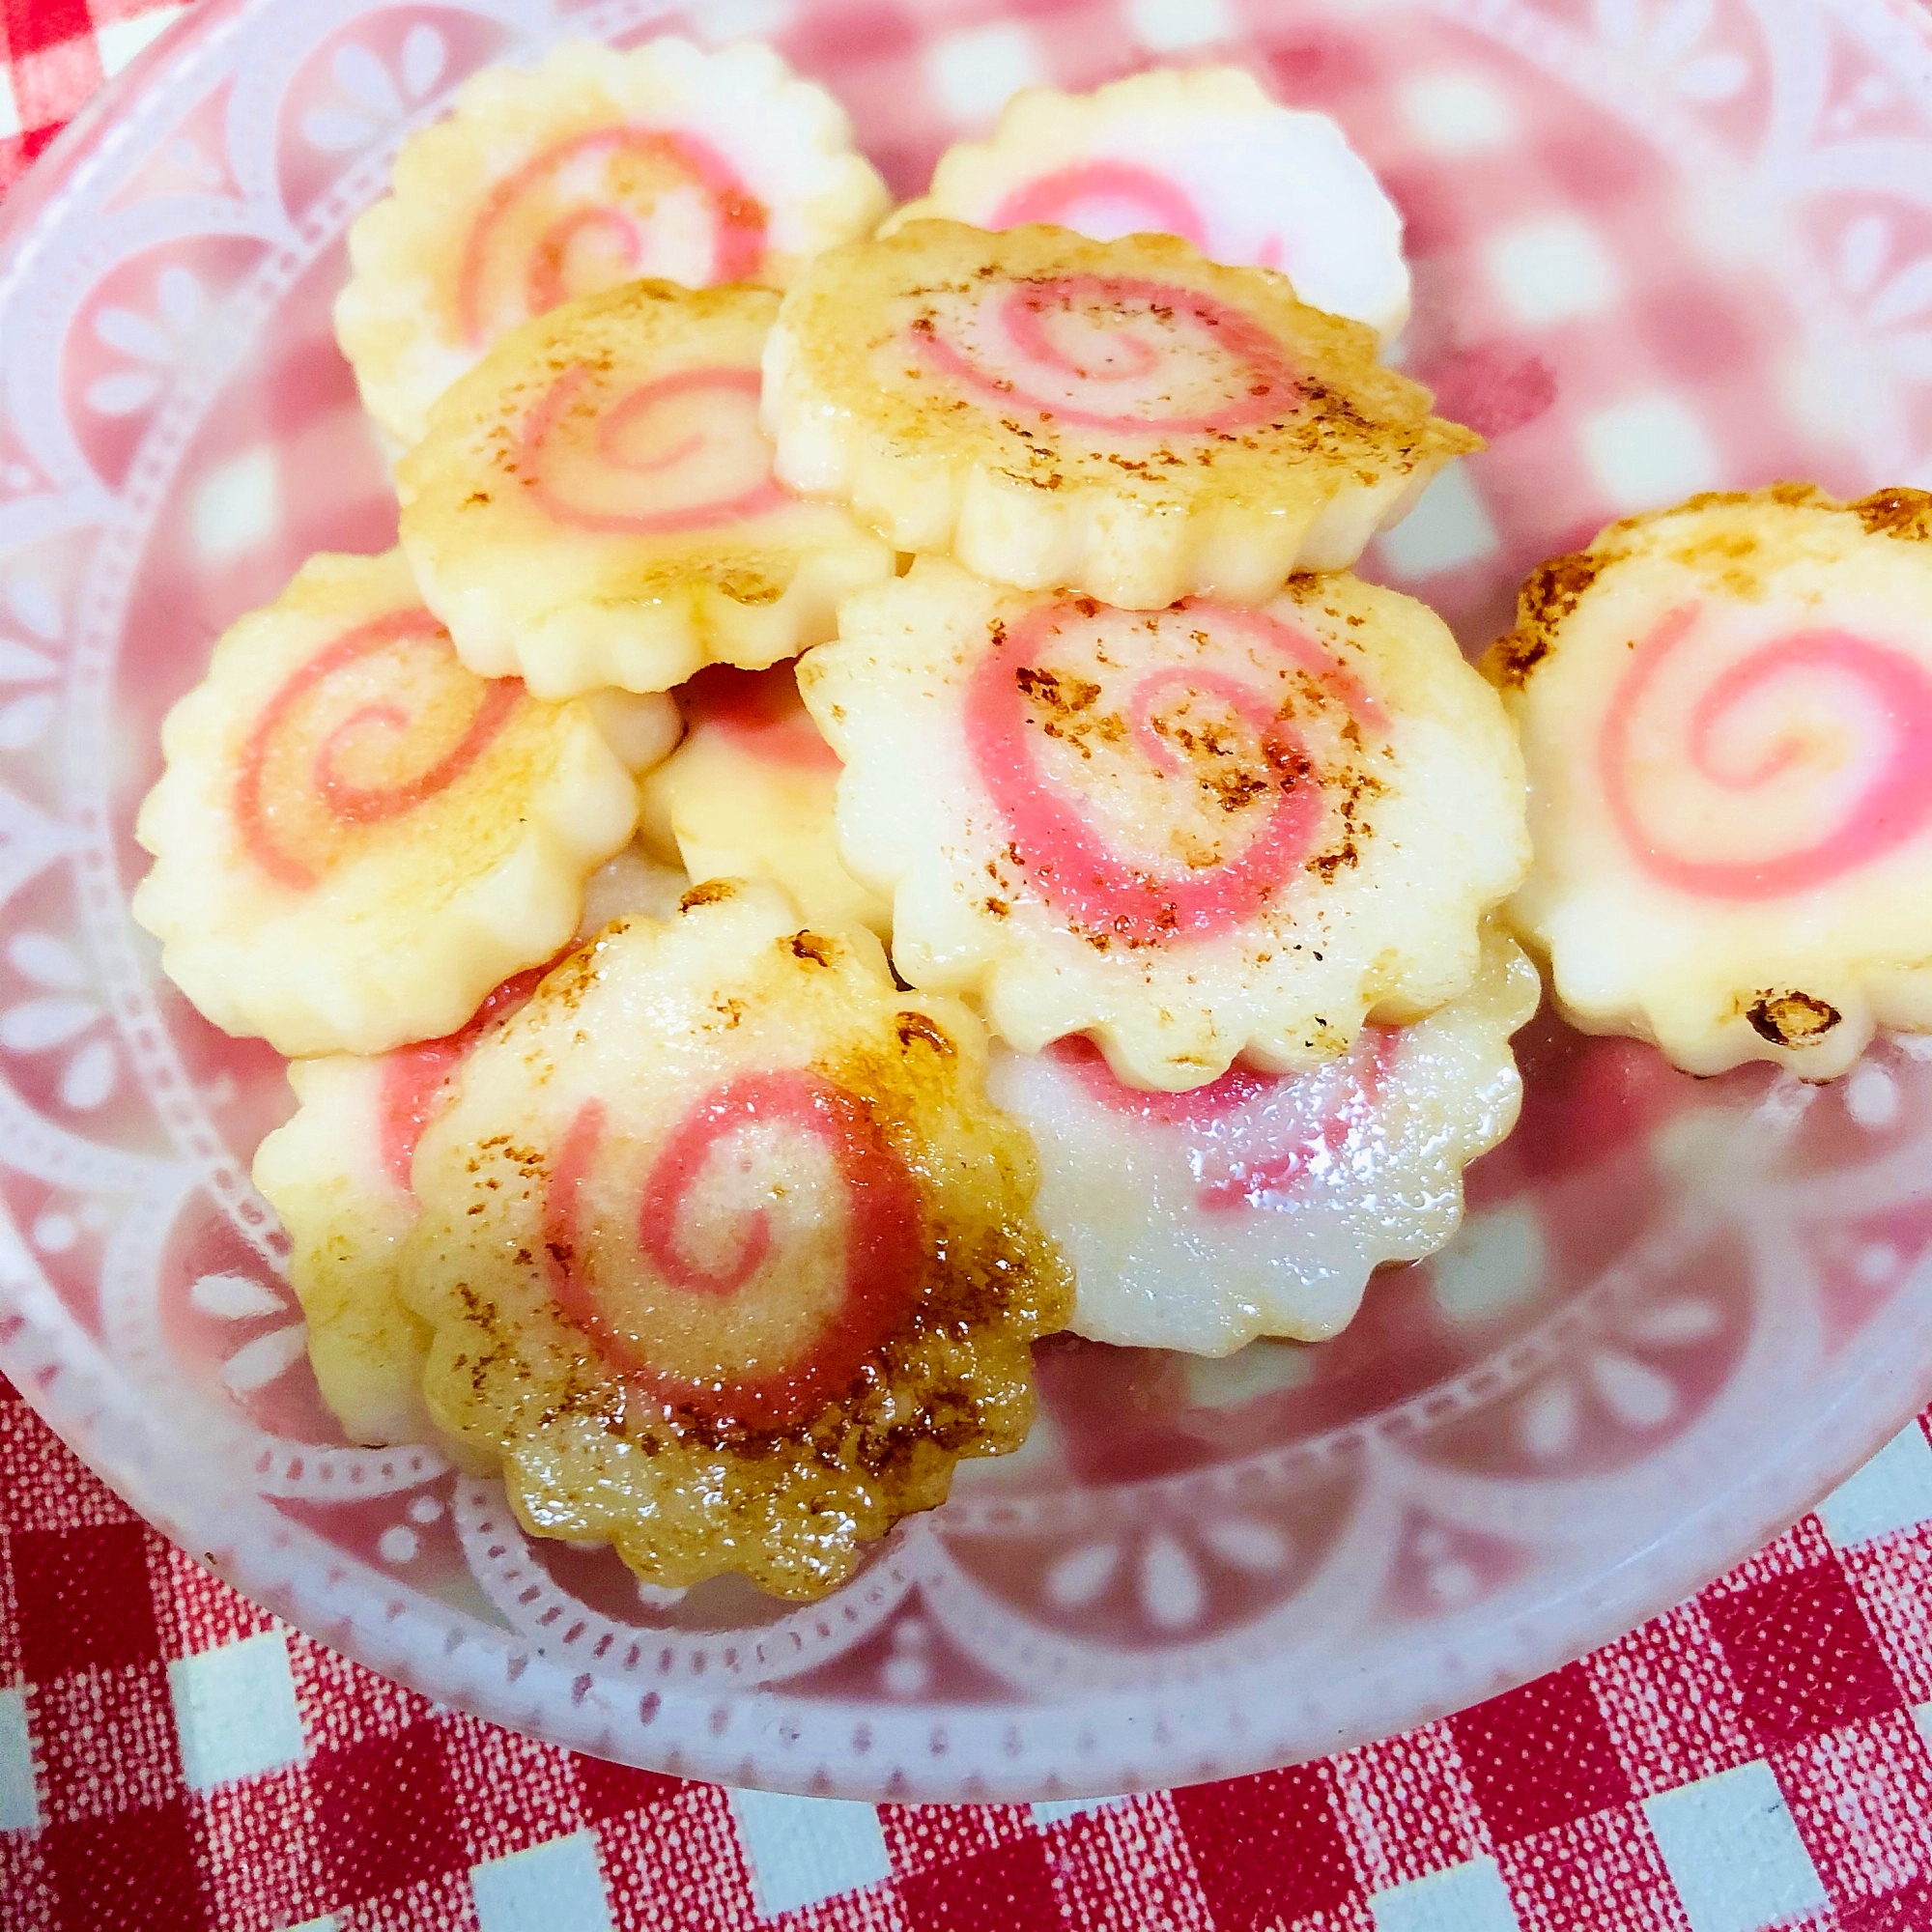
<point x="1464" y="1898"/>
<point x="1893" y="1491"/>
<point x="1165" y="25"/>
<point x="551" y="1888"/>
<point x="235" y="1710"/>
<point x="238" y="506"/>
<point x="1650" y="451"/>
<point x="20" y="1807"/>
<point x="118" y="41"/>
<point x="974" y="70"/>
<point x="1447" y="528"/>
<point x="1457" y="111"/>
<point x="801" y="1850"/>
<point x="1733" y="1853"/>
<point x="1552" y="269"/>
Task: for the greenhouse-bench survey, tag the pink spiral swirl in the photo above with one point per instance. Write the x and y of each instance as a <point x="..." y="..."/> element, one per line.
<point x="655" y="493"/>
<point x="760" y="712"/>
<point x="492" y="295"/>
<point x="883" y="1263"/>
<point x="1158" y="204"/>
<point x="1238" y="1168"/>
<point x="297" y="714"/>
<point x="1069" y="859"/>
<point x="1131" y="327"/>
<point x="1893" y="805"/>
<point x="1107" y="198"/>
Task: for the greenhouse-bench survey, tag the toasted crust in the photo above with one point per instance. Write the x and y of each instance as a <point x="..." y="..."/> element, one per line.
<point x="1553" y="590"/>
<point x="354" y="838"/>
<point x="1194" y="834"/>
<point x="1724" y="706"/>
<point x="724" y="1333"/>
<point x="1233" y="436"/>
<point x="593" y="505"/>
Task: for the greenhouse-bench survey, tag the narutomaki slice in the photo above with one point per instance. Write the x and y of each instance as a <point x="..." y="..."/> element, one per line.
<point x="594" y="167"/>
<point x="337" y="1175"/>
<point x="750" y="794"/>
<point x="594" y="504"/>
<point x="1726" y="711"/>
<point x="1194" y="833"/>
<point x="1200" y="153"/>
<point x="1261" y="1204"/>
<point x="356" y="837"/>
<point x="1125" y="419"/>
<point x="728" y="1258"/>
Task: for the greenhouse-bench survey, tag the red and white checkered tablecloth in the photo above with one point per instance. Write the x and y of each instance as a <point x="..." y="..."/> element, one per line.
<point x="173" y="1758"/>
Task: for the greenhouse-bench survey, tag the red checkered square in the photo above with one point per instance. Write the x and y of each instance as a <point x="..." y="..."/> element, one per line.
<point x="676" y="1868"/>
<point x="31" y="26"/>
<point x="1802" y="1657"/>
<point x="1862" y="1801"/>
<point x="1907" y="1909"/>
<point x="1670" y="1704"/>
<point x="1006" y="1890"/>
<point x="1540" y="1757"/>
<point x="1269" y="1849"/>
<point x="514" y="1790"/>
<point x="1892" y="1582"/>
<point x="52" y="81"/>
<point x="920" y="1836"/>
<point x="385" y="1813"/>
<point x="878" y="46"/>
<point x="10" y="1621"/>
<point x="877" y="1908"/>
<point x="347" y="1704"/>
<point x="1598" y="1874"/>
<point x="199" y="1612"/>
<point x="83" y="1600"/>
<point x="605" y="1790"/>
<point x="442" y="1904"/>
<point x="26" y="1886"/>
<point x="1409" y="1807"/>
<point x="106" y="1741"/>
<point x="130" y="1873"/>
<point x="1127" y="1868"/>
<point x="1804" y="1545"/>
<point x="264" y="1864"/>
<point x="44" y="1484"/>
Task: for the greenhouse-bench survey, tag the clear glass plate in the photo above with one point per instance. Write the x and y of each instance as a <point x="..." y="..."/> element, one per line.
<point x="1658" y="247"/>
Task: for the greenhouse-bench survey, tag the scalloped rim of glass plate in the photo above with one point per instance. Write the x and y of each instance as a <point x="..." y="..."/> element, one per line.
<point x="784" y="1742"/>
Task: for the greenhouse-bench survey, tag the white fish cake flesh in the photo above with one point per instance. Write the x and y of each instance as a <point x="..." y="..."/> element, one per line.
<point x="1194" y="833"/>
<point x="594" y="168"/>
<point x="1726" y="711"/>
<point x="750" y="794"/>
<point x="1261" y="1204"/>
<point x="337" y="1173"/>
<point x="594" y="505"/>
<point x="727" y="1256"/>
<point x="1123" y="418"/>
<point x="1200" y="153"/>
<point x="354" y="838"/>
